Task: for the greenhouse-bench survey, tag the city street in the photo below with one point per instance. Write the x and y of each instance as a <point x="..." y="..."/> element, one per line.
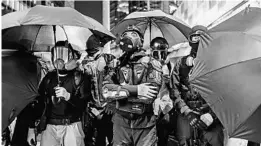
<point x="131" y="73"/>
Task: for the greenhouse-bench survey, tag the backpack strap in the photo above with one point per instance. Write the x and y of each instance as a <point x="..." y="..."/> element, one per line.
<point x="78" y="81"/>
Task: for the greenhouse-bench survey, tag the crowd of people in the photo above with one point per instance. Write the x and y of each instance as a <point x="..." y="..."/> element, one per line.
<point x="138" y="99"/>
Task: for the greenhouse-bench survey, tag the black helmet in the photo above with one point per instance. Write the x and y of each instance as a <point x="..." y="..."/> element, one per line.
<point x="131" y="39"/>
<point x="92" y="45"/>
<point x="159" y="46"/>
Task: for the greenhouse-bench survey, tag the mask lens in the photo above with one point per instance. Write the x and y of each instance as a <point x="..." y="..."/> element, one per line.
<point x="61" y="53"/>
<point x="155" y="55"/>
<point x="163" y="55"/>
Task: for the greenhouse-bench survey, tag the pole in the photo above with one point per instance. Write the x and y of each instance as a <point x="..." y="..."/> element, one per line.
<point x="148" y="5"/>
<point x="54" y="32"/>
<point x="106" y="22"/>
<point x="150" y="28"/>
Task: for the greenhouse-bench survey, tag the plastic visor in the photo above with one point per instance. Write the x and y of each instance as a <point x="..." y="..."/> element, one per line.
<point x="61" y="53"/>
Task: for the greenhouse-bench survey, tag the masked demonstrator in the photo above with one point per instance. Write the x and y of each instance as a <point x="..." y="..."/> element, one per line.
<point x="96" y="65"/>
<point x="159" y="47"/>
<point x="196" y="123"/>
<point x="62" y="93"/>
<point x="131" y="89"/>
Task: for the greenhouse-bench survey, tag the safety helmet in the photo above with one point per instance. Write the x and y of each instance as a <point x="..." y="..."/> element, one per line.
<point x="93" y="44"/>
<point x="131" y="39"/>
<point x="159" y="47"/>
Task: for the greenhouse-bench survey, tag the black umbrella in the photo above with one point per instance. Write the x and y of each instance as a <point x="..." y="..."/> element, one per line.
<point x="19" y="83"/>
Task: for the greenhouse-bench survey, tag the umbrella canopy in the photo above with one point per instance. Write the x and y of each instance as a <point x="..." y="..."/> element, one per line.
<point x="155" y="23"/>
<point x="227" y="73"/>
<point x="19" y="84"/>
<point x="33" y="28"/>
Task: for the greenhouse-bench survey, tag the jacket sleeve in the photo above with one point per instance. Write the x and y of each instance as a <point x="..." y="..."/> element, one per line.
<point x="176" y="85"/>
<point x="112" y="90"/>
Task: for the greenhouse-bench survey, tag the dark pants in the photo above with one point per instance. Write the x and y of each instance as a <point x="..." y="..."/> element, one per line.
<point x="123" y="136"/>
<point x="250" y="143"/>
<point x="213" y="135"/>
<point x="163" y="134"/>
<point x="165" y="128"/>
<point x="104" y="129"/>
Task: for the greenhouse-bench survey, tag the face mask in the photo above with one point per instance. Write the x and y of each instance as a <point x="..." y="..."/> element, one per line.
<point x="130" y="41"/>
<point x="62" y="59"/>
<point x="159" y="51"/>
<point x="59" y="64"/>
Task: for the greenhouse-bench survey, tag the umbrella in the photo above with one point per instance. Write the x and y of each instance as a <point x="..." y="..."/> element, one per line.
<point x="34" y="28"/>
<point x="19" y="84"/>
<point x="155" y="23"/>
<point x="227" y="73"/>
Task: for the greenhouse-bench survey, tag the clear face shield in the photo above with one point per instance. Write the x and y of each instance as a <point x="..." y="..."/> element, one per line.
<point x="61" y="56"/>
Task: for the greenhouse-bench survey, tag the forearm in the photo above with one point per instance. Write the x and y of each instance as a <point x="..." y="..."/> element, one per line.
<point x="112" y="92"/>
<point x="179" y="103"/>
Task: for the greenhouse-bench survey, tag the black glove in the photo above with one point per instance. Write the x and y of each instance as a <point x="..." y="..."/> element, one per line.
<point x="195" y="122"/>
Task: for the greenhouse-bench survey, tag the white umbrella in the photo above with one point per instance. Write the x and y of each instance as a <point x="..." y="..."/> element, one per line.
<point x="155" y="23"/>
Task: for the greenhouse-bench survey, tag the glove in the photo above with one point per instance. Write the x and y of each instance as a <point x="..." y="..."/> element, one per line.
<point x="147" y="91"/>
<point x="190" y="61"/>
<point x="195" y="121"/>
<point x="62" y="92"/>
<point x="97" y="113"/>
<point x="207" y="119"/>
<point x="31" y="137"/>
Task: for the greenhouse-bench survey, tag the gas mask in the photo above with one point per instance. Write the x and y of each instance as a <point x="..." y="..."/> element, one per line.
<point x="160" y="54"/>
<point x="130" y="41"/>
<point x="194" y="43"/>
<point x="159" y="48"/>
<point x="63" y="58"/>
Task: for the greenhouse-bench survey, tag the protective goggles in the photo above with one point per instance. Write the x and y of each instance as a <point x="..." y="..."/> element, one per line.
<point x="160" y="55"/>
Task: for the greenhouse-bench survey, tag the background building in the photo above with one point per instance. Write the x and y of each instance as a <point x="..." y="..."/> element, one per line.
<point x="19" y="5"/>
<point x="210" y="12"/>
<point x="121" y="8"/>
